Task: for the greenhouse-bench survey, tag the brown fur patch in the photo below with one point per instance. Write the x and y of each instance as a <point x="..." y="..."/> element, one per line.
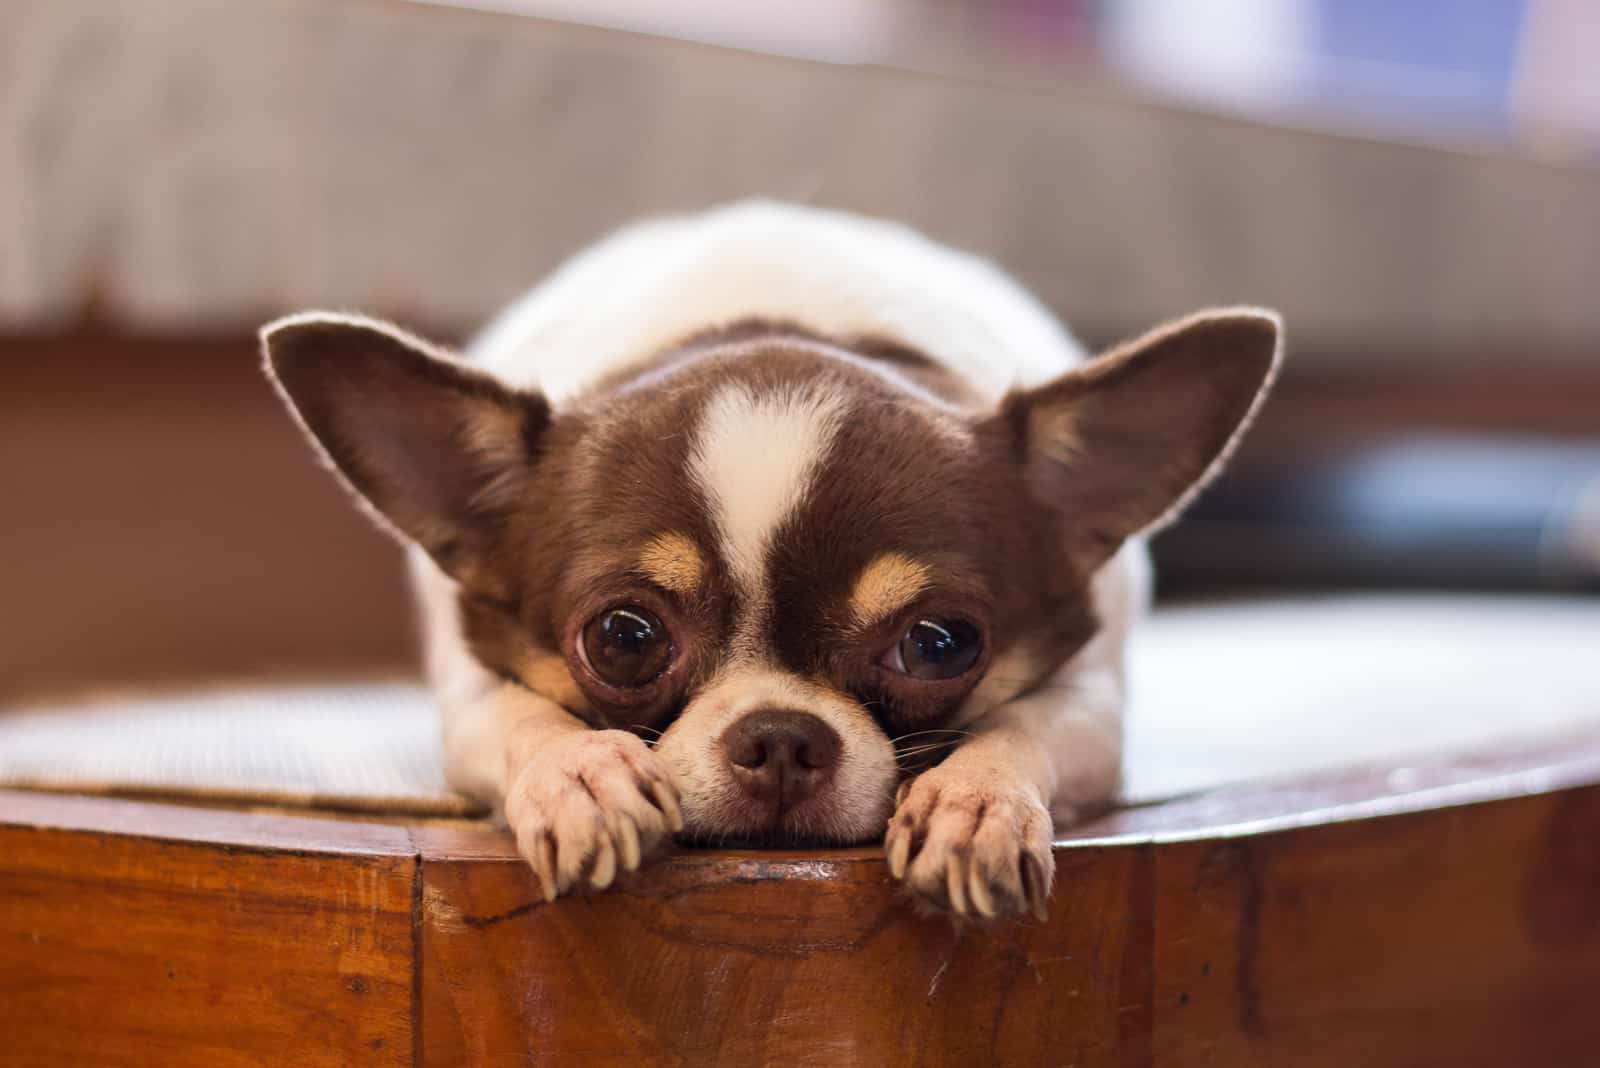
<point x="1122" y="443"/>
<point x="436" y="448"/>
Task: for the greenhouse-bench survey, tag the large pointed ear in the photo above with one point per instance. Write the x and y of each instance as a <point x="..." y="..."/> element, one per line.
<point x="441" y="452"/>
<point x="1119" y="445"/>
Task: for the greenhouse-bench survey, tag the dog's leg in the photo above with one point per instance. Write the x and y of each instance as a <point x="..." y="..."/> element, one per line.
<point x="973" y="834"/>
<point x="582" y="802"/>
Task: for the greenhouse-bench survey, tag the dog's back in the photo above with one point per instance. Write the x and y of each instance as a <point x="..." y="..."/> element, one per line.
<point x="655" y="283"/>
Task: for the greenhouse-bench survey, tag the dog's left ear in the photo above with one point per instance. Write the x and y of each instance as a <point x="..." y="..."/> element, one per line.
<point x="1119" y="445"/>
<point x="440" y="452"/>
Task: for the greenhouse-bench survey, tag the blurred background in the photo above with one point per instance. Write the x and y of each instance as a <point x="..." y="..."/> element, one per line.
<point x="1415" y="186"/>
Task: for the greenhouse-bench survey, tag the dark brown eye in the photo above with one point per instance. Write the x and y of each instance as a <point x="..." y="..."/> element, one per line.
<point x="935" y="649"/>
<point x="627" y="647"/>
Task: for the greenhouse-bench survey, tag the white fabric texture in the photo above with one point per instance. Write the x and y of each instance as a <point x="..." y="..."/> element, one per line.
<point x="1222" y="692"/>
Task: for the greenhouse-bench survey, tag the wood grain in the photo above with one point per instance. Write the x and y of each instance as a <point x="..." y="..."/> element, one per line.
<point x="1442" y="913"/>
<point x="1463" y="936"/>
<point x="1445" y="913"/>
<point x="125" y="945"/>
<point x="761" y="958"/>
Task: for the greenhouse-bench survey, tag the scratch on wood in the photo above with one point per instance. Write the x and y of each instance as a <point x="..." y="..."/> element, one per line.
<point x="944" y="966"/>
<point x="1034" y="964"/>
<point x="443" y="914"/>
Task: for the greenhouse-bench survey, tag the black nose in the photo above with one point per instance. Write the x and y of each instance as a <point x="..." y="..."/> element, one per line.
<point x="781" y="756"/>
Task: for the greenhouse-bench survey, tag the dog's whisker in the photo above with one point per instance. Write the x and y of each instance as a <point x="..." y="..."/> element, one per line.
<point x="918" y="734"/>
<point x="917" y="753"/>
<point x="924" y="746"/>
<point x="929" y="745"/>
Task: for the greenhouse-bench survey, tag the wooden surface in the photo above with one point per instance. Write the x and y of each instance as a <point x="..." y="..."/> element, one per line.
<point x="759" y="959"/>
<point x="1446" y="913"/>
<point x="139" y="934"/>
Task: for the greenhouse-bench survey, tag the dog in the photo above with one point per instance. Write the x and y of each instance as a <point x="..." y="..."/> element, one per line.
<point x="779" y="526"/>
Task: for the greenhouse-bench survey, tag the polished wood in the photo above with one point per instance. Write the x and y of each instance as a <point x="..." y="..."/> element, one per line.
<point x="758" y="958"/>
<point x="1460" y="936"/>
<point x="140" y="934"/>
<point x="1445" y="912"/>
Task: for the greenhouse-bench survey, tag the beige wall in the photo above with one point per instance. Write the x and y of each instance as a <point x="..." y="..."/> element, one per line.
<point x="196" y="164"/>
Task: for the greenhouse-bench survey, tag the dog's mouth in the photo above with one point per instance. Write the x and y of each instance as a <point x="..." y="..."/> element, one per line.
<point x="808" y="825"/>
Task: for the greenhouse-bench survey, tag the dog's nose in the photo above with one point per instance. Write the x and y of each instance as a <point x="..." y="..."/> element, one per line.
<point x="781" y="755"/>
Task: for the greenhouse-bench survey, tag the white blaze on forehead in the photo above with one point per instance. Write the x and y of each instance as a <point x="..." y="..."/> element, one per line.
<point x="754" y="457"/>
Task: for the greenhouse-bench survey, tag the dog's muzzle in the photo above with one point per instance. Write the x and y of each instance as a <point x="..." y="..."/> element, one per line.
<point x="780" y="757"/>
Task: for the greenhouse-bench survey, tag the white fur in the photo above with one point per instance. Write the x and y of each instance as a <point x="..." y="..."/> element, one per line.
<point x="655" y="283"/>
<point x="753" y="459"/>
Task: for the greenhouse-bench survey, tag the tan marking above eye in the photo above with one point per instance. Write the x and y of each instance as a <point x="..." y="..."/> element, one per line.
<point x="674" y="563"/>
<point x="888" y="583"/>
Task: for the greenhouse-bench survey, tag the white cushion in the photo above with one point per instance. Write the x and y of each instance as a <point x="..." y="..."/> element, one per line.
<point x="1222" y="692"/>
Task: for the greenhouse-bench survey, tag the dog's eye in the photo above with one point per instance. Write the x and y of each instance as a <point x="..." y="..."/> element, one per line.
<point x="935" y="649"/>
<point x="627" y="647"/>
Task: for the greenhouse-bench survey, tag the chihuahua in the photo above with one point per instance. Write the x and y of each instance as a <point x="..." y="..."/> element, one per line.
<point x="779" y="526"/>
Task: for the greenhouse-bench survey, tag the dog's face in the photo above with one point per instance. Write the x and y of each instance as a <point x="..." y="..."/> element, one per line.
<point x="799" y="572"/>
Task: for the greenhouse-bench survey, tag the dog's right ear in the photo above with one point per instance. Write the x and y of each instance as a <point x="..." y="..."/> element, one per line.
<point x="440" y="451"/>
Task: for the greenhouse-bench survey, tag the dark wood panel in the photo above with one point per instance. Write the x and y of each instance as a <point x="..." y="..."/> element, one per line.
<point x="1465" y="936"/>
<point x="1390" y="391"/>
<point x="164" y="521"/>
<point x="125" y="946"/>
<point x="765" y="958"/>
<point x="1447" y="912"/>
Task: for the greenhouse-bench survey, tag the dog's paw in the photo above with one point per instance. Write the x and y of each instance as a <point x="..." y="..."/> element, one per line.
<point x="589" y="803"/>
<point x="971" y="845"/>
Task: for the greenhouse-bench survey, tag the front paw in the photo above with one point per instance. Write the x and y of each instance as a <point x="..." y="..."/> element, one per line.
<point x="965" y="842"/>
<point x="587" y="803"/>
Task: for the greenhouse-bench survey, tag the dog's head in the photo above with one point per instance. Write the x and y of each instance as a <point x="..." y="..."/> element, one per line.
<point x="798" y="571"/>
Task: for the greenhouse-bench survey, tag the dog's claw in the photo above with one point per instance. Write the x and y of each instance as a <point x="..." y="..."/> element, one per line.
<point x="666" y="799"/>
<point x="1035" y="887"/>
<point x="627" y="836"/>
<point x="899" y="852"/>
<point x="956" y="885"/>
<point x="605" y="863"/>
<point x="978" y="892"/>
<point x="544" y="865"/>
